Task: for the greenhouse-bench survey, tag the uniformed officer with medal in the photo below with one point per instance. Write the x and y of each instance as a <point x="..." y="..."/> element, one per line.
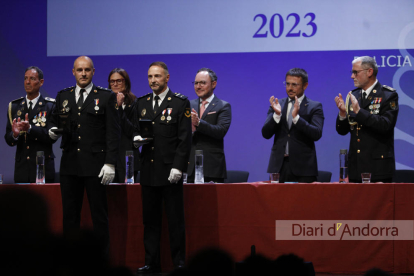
<point x="27" y="128"/>
<point x="369" y="115"/>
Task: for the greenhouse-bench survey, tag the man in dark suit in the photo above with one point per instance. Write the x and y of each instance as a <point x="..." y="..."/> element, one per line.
<point x="27" y="128"/>
<point x="163" y="160"/>
<point x="296" y="122"/>
<point x="211" y="118"/>
<point x="89" y="148"/>
<point x="373" y="112"/>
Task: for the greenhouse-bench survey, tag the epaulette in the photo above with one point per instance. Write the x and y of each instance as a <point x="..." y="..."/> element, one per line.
<point x="181" y="96"/>
<point x="389" y="88"/>
<point x="103" y="88"/>
<point x="50" y="99"/>
<point x="17" y="99"/>
<point x="144" y="96"/>
<point x="66" y="89"/>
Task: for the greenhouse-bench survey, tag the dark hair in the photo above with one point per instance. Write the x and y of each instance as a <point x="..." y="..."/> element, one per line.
<point x="129" y="97"/>
<point x="160" y="64"/>
<point x="298" y="72"/>
<point x="37" y="69"/>
<point x="211" y="73"/>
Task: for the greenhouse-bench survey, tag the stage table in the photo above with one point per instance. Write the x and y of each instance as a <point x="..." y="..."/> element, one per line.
<point x="236" y="216"/>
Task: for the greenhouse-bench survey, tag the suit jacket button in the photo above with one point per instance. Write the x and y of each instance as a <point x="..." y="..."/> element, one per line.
<point x="359" y="140"/>
<point x="79" y="137"/>
<point x="152" y="161"/>
<point x="152" y="148"/>
<point x="288" y="135"/>
<point x="79" y="114"/>
<point x="27" y="147"/>
<point x="28" y="157"/>
<point x="153" y="123"/>
<point x="78" y="149"/>
<point x="358" y="151"/>
<point x="382" y="156"/>
<point x="79" y="126"/>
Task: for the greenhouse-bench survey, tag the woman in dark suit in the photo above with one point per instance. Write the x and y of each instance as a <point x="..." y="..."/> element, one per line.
<point x="120" y="83"/>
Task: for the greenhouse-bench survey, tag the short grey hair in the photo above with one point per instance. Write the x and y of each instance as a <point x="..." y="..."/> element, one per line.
<point x="367" y="62"/>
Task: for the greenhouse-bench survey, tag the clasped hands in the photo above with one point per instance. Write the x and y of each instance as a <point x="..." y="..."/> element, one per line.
<point x="341" y="104"/>
<point x="19" y="125"/>
<point x="195" y="120"/>
<point x="274" y="103"/>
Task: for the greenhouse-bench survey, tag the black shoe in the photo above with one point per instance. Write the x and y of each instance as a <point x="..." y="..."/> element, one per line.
<point x="148" y="269"/>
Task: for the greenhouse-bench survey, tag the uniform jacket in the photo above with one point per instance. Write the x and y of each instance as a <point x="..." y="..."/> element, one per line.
<point x="37" y="139"/>
<point x="209" y="137"/>
<point x="172" y="138"/>
<point x="371" y="148"/>
<point x="94" y="131"/>
<point x="301" y="137"/>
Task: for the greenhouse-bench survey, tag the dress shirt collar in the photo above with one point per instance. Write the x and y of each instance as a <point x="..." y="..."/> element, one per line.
<point x="209" y="100"/>
<point x="162" y="96"/>
<point x="369" y="89"/>
<point x="300" y="99"/>
<point x="34" y="101"/>
<point x="88" y="89"/>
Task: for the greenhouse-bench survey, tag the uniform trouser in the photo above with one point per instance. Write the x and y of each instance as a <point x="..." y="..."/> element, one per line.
<point x="152" y="199"/>
<point x="72" y="188"/>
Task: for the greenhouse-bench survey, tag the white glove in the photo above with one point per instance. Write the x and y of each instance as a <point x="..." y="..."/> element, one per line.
<point x="108" y="173"/>
<point x="53" y="135"/>
<point x="175" y="175"/>
<point x="139" y="141"/>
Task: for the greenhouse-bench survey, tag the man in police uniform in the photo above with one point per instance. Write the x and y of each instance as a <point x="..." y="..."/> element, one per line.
<point x="373" y="111"/>
<point x="89" y="148"/>
<point x="163" y="161"/>
<point x="27" y="128"/>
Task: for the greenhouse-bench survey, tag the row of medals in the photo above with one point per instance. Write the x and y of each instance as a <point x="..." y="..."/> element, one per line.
<point x="374" y="107"/>
<point x="169" y="113"/>
<point x="40" y="120"/>
<point x="66" y="108"/>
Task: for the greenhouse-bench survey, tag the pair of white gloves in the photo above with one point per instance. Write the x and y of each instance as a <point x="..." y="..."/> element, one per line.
<point x="107" y="172"/>
<point x="175" y="174"/>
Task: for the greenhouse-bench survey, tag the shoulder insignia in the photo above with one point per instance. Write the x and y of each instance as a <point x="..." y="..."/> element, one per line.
<point x="50" y="99"/>
<point x="393" y="105"/>
<point x="17" y="99"/>
<point x="187" y="113"/>
<point x="103" y="88"/>
<point x="66" y="89"/>
<point x="389" y="88"/>
<point x="181" y="96"/>
<point x="143" y="96"/>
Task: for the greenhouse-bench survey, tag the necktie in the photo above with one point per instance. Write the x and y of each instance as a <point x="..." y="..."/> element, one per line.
<point x="80" y="101"/>
<point x="290" y="113"/>
<point x="289" y="121"/>
<point x="156" y="98"/>
<point x="30" y="106"/>
<point x="203" y="108"/>
<point x="364" y="98"/>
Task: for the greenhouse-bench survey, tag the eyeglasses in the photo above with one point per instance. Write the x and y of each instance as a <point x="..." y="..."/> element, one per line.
<point x="202" y="83"/>
<point x="118" y="81"/>
<point x="293" y="84"/>
<point x="355" y="72"/>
